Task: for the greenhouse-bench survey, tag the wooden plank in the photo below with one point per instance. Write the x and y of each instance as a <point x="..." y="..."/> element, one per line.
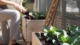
<point x="35" y="40"/>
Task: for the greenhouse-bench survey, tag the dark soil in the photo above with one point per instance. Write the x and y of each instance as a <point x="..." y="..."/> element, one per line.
<point x="42" y="38"/>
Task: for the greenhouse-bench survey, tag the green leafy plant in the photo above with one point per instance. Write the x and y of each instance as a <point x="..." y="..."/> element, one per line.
<point x="71" y="36"/>
<point x="38" y="15"/>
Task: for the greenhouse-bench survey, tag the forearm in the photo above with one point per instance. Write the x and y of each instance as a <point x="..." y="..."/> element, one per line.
<point x="17" y="6"/>
<point x="4" y="2"/>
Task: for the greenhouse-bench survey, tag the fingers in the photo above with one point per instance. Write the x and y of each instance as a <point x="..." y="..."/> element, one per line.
<point x="21" y="9"/>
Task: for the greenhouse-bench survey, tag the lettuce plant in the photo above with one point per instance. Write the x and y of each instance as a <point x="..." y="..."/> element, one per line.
<point x="71" y="36"/>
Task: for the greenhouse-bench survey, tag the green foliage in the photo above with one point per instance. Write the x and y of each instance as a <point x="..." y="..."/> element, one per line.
<point x="38" y="15"/>
<point x="69" y="37"/>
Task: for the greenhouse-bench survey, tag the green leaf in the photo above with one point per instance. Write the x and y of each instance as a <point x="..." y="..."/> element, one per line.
<point x="45" y="27"/>
<point x="63" y="39"/>
<point x="53" y="28"/>
<point x="50" y="33"/>
<point x="45" y="30"/>
<point x="76" y="41"/>
<point x="49" y="38"/>
<point x="57" y="34"/>
<point x="65" y="44"/>
<point x="70" y="39"/>
<point x="72" y="30"/>
<point x="45" y="34"/>
<point x="65" y="34"/>
<point x="54" y="41"/>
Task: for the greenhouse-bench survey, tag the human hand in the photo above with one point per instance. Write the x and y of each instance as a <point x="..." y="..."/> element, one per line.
<point x="29" y="15"/>
<point x="23" y="10"/>
<point x="19" y="7"/>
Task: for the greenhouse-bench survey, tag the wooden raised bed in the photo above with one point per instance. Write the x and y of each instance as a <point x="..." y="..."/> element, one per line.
<point x="35" y="40"/>
<point x="29" y="26"/>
